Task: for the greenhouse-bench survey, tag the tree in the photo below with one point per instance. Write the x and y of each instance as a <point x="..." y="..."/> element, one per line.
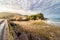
<point x="36" y="17"/>
<point x="33" y="17"/>
<point x="40" y="16"/>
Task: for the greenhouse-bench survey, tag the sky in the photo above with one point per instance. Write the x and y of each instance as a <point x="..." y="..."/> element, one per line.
<point x="50" y="8"/>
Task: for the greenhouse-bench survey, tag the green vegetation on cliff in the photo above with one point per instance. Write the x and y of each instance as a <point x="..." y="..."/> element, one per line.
<point x="37" y="16"/>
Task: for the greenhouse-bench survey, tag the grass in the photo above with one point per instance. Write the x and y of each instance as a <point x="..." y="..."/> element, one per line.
<point x="39" y="28"/>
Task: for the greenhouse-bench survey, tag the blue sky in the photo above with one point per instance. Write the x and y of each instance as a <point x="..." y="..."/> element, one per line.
<point x="50" y="8"/>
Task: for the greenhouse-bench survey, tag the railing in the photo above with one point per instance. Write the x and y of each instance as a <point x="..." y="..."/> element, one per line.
<point x="1" y="30"/>
<point x="5" y="34"/>
<point x="2" y="33"/>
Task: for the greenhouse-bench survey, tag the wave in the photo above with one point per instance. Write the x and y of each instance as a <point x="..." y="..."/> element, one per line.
<point x="53" y="23"/>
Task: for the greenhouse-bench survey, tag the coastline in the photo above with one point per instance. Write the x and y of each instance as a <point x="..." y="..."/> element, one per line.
<point x="52" y="22"/>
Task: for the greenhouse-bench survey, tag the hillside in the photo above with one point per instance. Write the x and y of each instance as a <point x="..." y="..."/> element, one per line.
<point x="34" y="30"/>
<point x="7" y="14"/>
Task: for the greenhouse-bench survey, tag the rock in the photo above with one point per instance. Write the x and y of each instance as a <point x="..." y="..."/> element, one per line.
<point x="23" y="36"/>
<point x="34" y="37"/>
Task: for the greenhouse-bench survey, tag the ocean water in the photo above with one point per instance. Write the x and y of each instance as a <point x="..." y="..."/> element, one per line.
<point x="54" y="21"/>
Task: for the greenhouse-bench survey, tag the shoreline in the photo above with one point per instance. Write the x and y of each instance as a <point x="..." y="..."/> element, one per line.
<point x="52" y="22"/>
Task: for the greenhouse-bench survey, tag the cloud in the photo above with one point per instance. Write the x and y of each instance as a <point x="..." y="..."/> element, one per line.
<point x="47" y="7"/>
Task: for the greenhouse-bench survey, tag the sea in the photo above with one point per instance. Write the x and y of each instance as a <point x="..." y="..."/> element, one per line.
<point x="54" y="21"/>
